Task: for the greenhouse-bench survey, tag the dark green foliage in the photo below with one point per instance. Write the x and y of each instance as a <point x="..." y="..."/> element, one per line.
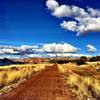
<point x="97" y="58"/>
<point x="82" y="60"/>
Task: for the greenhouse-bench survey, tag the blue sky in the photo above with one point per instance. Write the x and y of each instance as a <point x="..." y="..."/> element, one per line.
<point x="27" y="22"/>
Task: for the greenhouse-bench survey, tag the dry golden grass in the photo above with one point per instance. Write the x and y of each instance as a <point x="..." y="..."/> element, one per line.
<point x="13" y="74"/>
<point x="84" y="80"/>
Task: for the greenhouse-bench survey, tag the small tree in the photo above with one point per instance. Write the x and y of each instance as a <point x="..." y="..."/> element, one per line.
<point x="82" y="60"/>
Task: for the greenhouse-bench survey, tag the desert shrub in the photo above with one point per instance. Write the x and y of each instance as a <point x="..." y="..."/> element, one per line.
<point x="82" y="60"/>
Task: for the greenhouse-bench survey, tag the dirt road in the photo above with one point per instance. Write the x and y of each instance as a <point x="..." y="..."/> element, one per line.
<point x="47" y="85"/>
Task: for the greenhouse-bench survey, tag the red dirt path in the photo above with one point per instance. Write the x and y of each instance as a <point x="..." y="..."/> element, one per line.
<point x="47" y="85"/>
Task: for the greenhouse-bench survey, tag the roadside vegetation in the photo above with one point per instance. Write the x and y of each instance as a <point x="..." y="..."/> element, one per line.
<point x="83" y="80"/>
<point x="12" y="75"/>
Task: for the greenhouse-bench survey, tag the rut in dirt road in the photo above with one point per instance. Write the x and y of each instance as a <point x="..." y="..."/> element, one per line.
<point x="47" y="85"/>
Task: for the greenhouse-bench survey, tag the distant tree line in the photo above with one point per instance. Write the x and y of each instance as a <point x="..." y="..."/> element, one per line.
<point x="96" y="58"/>
<point x="80" y="61"/>
<point x="84" y="59"/>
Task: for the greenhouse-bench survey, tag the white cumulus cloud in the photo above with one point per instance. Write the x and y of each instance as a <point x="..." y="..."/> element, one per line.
<point x="53" y="47"/>
<point x="88" y="20"/>
<point x="62" y="11"/>
<point x="69" y="25"/>
<point x="94" y="12"/>
<point x="91" y="48"/>
<point x="17" y="49"/>
<point x="89" y="25"/>
<point x="84" y="26"/>
<point x="52" y="4"/>
<point x="7" y="51"/>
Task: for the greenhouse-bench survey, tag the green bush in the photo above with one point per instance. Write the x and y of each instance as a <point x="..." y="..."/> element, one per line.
<point x="82" y="60"/>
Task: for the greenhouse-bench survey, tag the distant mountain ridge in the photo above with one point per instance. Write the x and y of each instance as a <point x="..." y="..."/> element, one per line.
<point x="7" y="61"/>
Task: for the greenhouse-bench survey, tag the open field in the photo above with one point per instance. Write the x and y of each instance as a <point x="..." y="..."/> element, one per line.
<point x="12" y="75"/>
<point x="46" y="85"/>
<point x="83" y="80"/>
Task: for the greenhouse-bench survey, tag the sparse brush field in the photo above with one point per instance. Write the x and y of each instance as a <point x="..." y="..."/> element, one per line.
<point x="12" y="75"/>
<point x="83" y="80"/>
